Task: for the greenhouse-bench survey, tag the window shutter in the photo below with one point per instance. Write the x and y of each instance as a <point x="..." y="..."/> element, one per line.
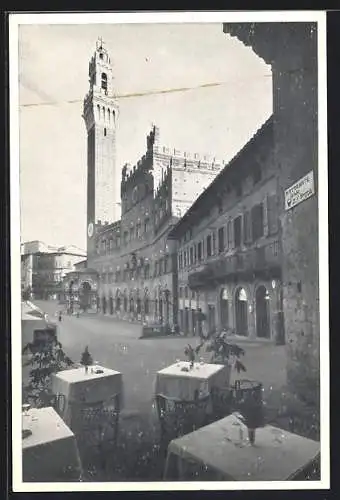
<point x="230" y="235"/>
<point x="246" y="225"/>
<point x="247" y="228"/>
<point x="273" y="220"/>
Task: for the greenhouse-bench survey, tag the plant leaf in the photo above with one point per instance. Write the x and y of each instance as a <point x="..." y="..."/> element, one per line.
<point x="240" y="366"/>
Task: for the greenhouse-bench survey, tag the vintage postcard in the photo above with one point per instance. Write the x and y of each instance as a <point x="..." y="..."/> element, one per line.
<point x="169" y="247"/>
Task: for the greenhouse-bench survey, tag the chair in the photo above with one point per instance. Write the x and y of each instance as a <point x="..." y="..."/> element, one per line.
<point x="96" y="426"/>
<point x="222" y="402"/>
<point x="58" y="402"/>
<point x="180" y="417"/>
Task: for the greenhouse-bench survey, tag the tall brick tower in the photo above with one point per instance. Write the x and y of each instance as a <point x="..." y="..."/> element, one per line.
<point x="100" y="113"/>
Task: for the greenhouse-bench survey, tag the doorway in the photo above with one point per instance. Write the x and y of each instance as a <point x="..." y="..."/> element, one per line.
<point x="186" y="321"/>
<point x="193" y="322"/>
<point x="160" y="305"/>
<point x="262" y="312"/>
<point x="85" y="296"/>
<point x="104" y="305"/>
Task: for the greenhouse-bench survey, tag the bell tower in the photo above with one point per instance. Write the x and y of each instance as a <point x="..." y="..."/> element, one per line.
<point x="100" y="112"/>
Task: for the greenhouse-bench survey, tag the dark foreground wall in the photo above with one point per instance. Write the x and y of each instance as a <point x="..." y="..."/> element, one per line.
<point x="291" y="49"/>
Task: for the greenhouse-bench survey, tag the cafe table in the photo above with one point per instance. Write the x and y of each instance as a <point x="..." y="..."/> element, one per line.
<point x="183" y="383"/>
<point x="221" y="451"/>
<point x="96" y="387"/>
<point x="49" y="448"/>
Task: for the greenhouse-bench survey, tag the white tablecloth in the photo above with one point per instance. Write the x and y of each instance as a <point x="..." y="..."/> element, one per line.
<point x="220" y="447"/>
<point x="174" y="383"/>
<point x="50" y="453"/>
<point x="79" y="387"/>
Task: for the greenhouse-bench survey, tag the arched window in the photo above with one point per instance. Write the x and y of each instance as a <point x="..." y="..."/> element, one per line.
<point x="108" y="114"/>
<point x="241" y="306"/>
<point x="103" y="113"/>
<point x="104" y="81"/>
<point x="98" y="111"/>
<point x="242" y="295"/>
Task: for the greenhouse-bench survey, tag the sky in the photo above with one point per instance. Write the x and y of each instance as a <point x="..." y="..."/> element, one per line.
<point x="53" y="80"/>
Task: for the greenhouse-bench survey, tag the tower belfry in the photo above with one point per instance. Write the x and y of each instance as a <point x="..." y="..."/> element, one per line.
<point x="100" y="115"/>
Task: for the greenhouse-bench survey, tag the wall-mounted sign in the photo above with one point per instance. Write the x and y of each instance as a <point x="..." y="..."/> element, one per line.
<point x="300" y="191"/>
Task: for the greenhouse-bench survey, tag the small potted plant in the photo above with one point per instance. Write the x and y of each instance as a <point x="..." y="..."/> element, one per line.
<point x="191" y="353"/>
<point x="86" y="359"/>
<point x="226" y="353"/>
<point x="223" y="352"/>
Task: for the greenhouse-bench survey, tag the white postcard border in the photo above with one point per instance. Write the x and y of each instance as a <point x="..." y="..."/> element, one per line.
<point x="167" y="17"/>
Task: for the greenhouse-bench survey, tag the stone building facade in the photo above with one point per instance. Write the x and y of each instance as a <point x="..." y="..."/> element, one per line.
<point x="135" y="262"/>
<point x="43" y="268"/>
<point x="292" y="51"/>
<point x="229" y="248"/>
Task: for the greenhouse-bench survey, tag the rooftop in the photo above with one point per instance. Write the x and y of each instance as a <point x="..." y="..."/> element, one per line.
<point x="217" y="185"/>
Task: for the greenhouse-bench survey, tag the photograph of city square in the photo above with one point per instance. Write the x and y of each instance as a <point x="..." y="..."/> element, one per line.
<point x="170" y="191"/>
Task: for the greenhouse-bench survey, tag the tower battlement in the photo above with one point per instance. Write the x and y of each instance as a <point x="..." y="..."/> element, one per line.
<point x="184" y="158"/>
<point x="156" y="165"/>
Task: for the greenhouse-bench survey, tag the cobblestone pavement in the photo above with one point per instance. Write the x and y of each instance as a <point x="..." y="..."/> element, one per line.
<point x="116" y="344"/>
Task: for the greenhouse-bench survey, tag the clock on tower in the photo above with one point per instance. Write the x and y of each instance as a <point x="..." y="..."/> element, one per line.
<point x="90" y="230"/>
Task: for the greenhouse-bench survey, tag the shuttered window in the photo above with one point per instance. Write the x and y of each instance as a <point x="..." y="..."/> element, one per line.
<point x="230" y="235"/>
<point x="209" y="245"/>
<point x="273" y="214"/>
<point x="221" y="239"/>
<point x="199" y="251"/>
<point x="257" y="221"/>
<point x="237" y="231"/>
<point x="247" y="227"/>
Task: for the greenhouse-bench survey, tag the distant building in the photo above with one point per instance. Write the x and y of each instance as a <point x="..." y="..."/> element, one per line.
<point x="229" y="248"/>
<point x="43" y="268"/>
<point x="80" y="265"/>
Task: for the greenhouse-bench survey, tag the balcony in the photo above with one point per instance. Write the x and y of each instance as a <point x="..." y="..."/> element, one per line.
<point x="262" y="262"/>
